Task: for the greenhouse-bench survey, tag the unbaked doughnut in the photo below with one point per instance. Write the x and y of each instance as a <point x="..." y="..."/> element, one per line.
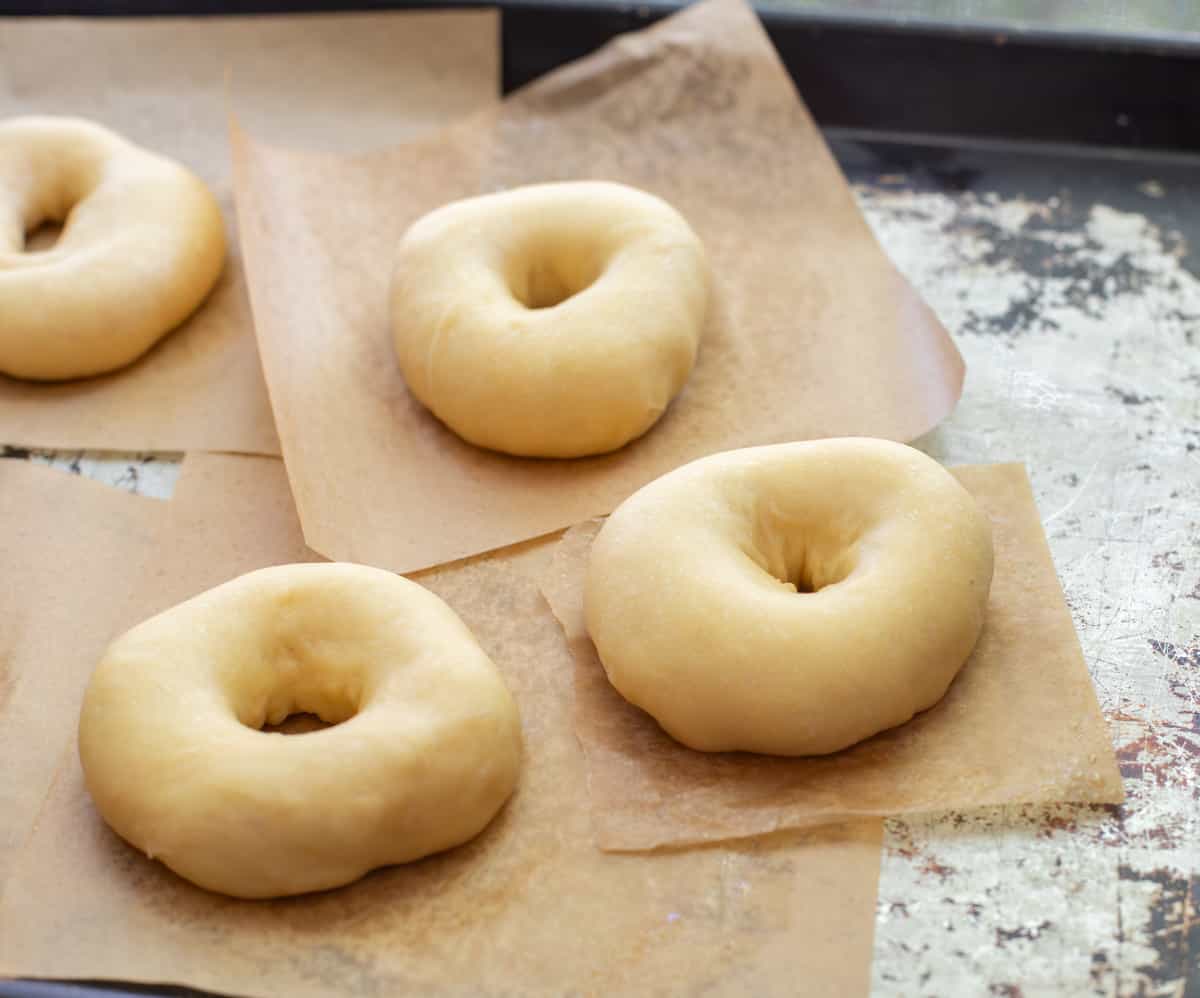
<point x="556" y="320"/>
<point x="424" y="751"/>
<point x="142" y="243"/>
<point x="791" y="599"/>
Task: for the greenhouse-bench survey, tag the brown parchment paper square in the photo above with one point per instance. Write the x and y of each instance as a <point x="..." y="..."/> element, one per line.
<point x="1020" y="724"/>
<point x="812" y="333"/>
<point x="71" y="551"/>
<point x="344" y="81"/>
<point x="530" y="907"/>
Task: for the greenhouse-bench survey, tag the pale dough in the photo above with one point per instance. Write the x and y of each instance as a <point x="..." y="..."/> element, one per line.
<point x="556" y="320"/>
<point x="142" y="244"/>
<point x="425" y="748"/>
<point x="791" y="599"/>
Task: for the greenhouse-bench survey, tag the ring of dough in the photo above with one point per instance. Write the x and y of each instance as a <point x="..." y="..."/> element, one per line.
<point x="556" y="320"/>
<point x="424" y="750"/>
<point x="791" y="599"/>
<point x="142" y="243"/>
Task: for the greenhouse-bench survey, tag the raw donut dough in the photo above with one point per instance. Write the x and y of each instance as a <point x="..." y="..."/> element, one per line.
<point x="791" y="599"/>
<point x="142" y="243"/>
<point x="556" y="320"/>
<point x="425" y="749"/>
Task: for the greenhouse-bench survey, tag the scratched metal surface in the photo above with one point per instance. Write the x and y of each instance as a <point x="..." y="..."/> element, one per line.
<point x="1072" y="290"/>
<point x="1074" y="295"/>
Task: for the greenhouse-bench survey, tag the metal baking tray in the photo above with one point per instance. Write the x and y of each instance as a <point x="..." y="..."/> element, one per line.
<point x="951" y="106"/>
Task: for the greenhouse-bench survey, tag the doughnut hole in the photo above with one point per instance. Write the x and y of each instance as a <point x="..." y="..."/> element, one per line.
<point x="44" y="225"/>
<point x="545" y="273"/>
<point x="59" y="187"/>
<point x="805" y="557"/>
<point x="304" y="688"/>
<point x="43" y="237"/>
<point x="810" y="572"/>
<point x="312" y="671"/>
<point x="305" y="698"/>
<point x="296" y="724"/>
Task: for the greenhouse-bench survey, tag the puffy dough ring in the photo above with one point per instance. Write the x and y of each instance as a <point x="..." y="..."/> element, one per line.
<point x="791" y="599"/>
<point x="142" y="243"/>
<point x="425" y="748"/>
<point x="556" y="320"/>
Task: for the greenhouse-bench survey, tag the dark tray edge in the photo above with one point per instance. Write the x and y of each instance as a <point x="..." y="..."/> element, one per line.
<point x="981" y="82"/>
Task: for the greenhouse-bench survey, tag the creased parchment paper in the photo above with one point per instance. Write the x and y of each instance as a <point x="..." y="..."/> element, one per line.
<point x="530" y="907"/>
<point x="351" y="81"/>
<point x="1020" y="724"/>
<point x="70" y="551"/>
<point x="812" y="331"/>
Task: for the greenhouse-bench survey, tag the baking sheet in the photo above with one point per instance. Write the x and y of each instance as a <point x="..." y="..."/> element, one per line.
<point x="1020" y="723"/>
<point x="812" y="332"/>
<point x="162" y="83"/>
<point x="530" y="907"/>
<point x="70" y="553"/>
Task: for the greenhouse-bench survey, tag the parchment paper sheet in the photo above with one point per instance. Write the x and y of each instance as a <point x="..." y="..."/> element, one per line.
<point x="812" y="333"/>
<point x="1020" y="724"/>
<point x="332" y="81"/>
<point x="530" y="907"/>
<point x="70" y="552"/>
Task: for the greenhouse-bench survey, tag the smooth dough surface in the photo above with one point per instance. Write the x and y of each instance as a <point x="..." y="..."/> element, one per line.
<point x="424" y="750"/>
<point x="791" y="599"/>
<point x="142" y="244"/>
<point x="555" y="320"/>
